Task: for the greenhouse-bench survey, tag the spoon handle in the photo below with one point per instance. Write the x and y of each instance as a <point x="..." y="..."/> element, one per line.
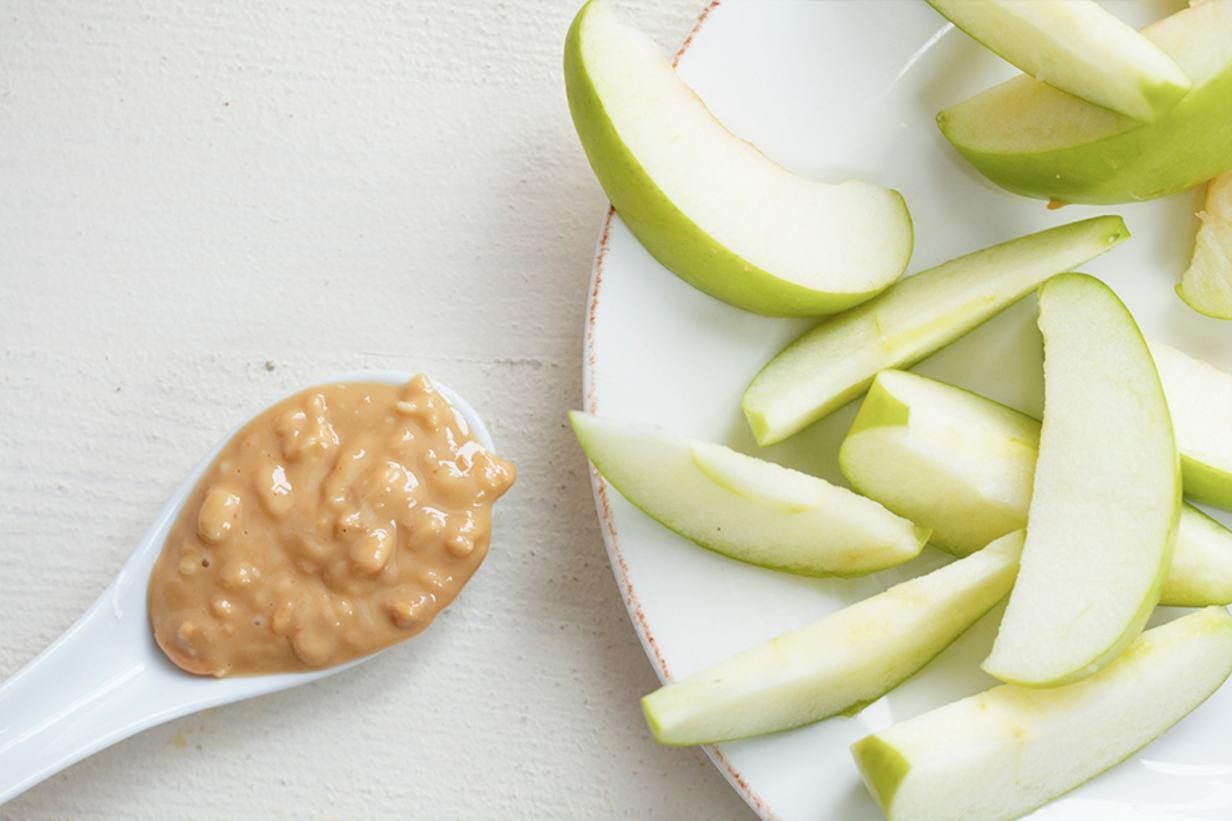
<point x="91" y="688"/>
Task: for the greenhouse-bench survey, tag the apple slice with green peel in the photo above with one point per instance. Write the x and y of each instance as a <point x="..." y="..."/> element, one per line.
<point x="1201" y="571"/>
<point x="836" y="361"/>
<point x="760" y="481"/>
<point x="1035" y="140"/>
<point x="1076" y="46"/>
<point x="842" y="662"/>
<point x="958" y="460"/>
<point x="1207" y="284"/>
<point x="708" y="205"/>
<point x="746" y="508"/>
<point x="1002" y="753"/>
<point x="963" y="465"/>
<point x="1200" y="396"/>
<point x="1106" y="496"/>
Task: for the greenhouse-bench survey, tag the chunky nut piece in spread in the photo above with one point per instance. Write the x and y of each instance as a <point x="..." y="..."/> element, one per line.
<point x="336" y="523"/>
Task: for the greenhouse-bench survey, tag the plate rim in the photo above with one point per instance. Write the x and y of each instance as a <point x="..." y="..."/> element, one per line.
<point x="599" y="487"/>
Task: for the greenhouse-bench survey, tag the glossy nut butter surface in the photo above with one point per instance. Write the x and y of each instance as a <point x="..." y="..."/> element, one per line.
<point x="334" y="524"/>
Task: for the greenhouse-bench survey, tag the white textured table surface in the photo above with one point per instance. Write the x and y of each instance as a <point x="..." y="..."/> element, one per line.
<point x="204" y="205"/>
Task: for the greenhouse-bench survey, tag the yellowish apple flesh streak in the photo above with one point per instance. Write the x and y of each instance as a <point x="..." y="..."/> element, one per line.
<point x="1000" y="754"/>
<point x="836" y="361"/>
<point x="709" y="206"/>
<point x="1076" y="46"/>
<point x="1106" y="496"/>
<point x="1036" y="140"/>
<point x="746" y="508"/>
<point x="1207" y="284"/>
<point x="1200" y="396"/>
<point x="846" y="660"/>
<point x="963" y="465"/>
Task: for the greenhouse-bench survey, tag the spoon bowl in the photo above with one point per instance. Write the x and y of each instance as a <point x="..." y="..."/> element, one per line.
<point x="106" y="679"/>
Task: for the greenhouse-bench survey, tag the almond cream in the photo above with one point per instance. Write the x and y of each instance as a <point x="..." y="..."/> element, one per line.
<point x="334" y="524"/>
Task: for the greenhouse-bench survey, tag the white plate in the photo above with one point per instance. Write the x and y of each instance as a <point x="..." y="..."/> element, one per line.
<point x="833" y="90"/>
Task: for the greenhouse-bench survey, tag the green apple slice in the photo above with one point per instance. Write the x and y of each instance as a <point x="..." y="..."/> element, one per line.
<point x="1002" y="753"/>
<point x="1206" y="285"/>
<point x="1201" y="571"/>
<point x="1200" y="396"/>
<point x="760" y="481"/>
<point x="963" y="465"/>
<point x="836" y="361"/>
<point x="1106" y="496"/>
<point x="1035" y="140"/>
<point x="709" y="206"/>
<point x="1076" y="46"/>
<point x="959" y="460"/>
<point x="746" y="508"/>
<point x="842" y="662"/>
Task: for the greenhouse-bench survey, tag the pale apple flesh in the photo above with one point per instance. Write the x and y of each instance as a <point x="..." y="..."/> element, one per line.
<point x="709" y="206"/>
<point x="1206" y="285"/>
<point x="1002" y="753"/>
<point x="1038" y="141"/>
<point x="1105" y="499"/>
<point x="835" y="362"/>
<point x="951" y="457"/>
<point x="1200" y="396"/>
<point x="963" y="465"/>
<point x="746" y="508"/>
<point x="844" y="661"/>
<point x="753" y="479"/>
<point x="1201" y="570"/>
<point x="1075" y="46"/>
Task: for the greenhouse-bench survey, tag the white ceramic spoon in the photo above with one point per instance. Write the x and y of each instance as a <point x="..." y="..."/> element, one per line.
<point x="105" y="679"/>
